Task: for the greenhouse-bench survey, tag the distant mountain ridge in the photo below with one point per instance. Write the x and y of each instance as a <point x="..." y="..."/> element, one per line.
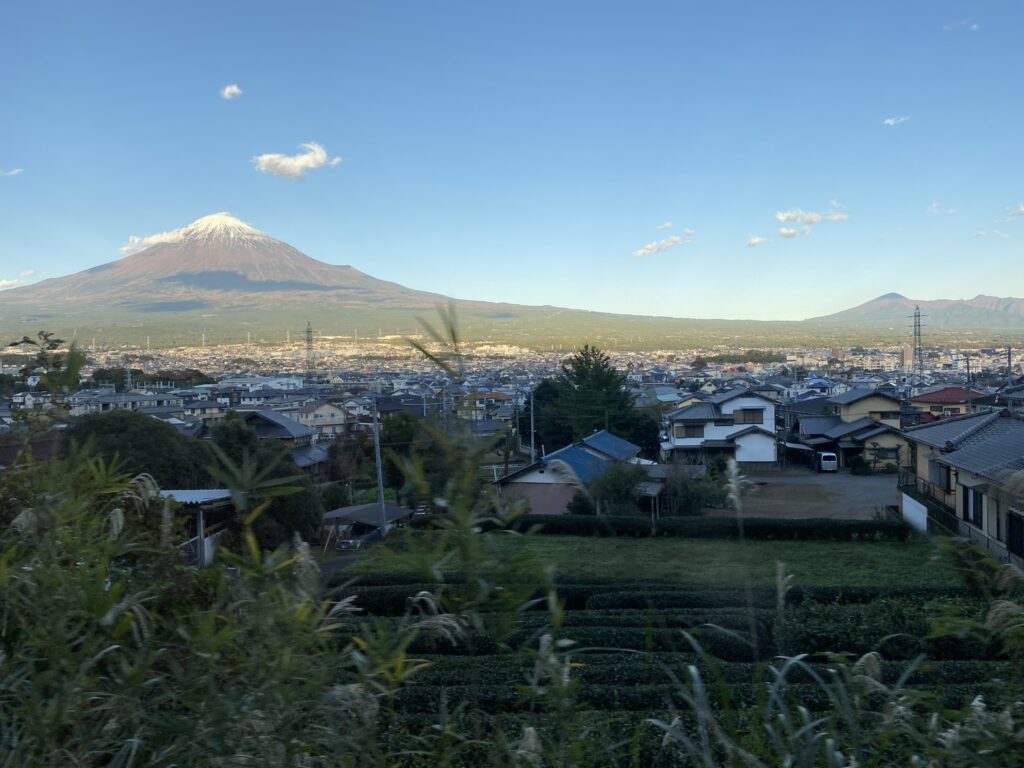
<point x="894" y="309"/>
<point x="221" y="279"/>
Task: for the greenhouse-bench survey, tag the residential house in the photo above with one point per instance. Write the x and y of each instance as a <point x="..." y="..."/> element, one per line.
<point x="963" y="478"/>
<point x="945" y="401"/>
<point x="736" y="423"/>
<point x="326" y="419"/>
<point x="549" y="484"/>
<point x="272" y="425"/>
<point x="859" y="422"/>
<point x="862" y="403"/>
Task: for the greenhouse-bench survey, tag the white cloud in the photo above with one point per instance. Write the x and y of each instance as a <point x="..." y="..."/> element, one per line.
<point x="666" y="225"/>
<point x="27" y="273"/>
<point x="892" y="121"/>
<point x="13" y="172"/>
<point x="1000" y="235"/>
<point x="963" y="24"/>
<point x="8" y="283"/>
<point x="979" y="234"/>
<point x="136" y="243"/>
<point x="791" y="233"/>
<point x="755" y="241"/>
<point x="230" y="92"/>
<point x="295" y="166"/>
<point x="937" y="210"/>
<point x="663" y="245"/>
<point x="1016" y="211"/>
<point x="809" y="218"/>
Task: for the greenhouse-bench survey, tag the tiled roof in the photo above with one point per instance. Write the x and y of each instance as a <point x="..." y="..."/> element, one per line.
<point x="818" y="425"/>
<point x="953" y="431"/>
<point x="695" y="411"/>
<point x="946" y="396"/>
<point x="279" y="423"/>
<point x="858" y="393"/>
<point x="1001" y="450"/>
<point x="850" y="427"/>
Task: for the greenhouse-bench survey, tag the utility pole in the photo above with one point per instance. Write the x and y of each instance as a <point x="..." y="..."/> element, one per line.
<point x="380" y="470"/>
<point x="533" y="431"/>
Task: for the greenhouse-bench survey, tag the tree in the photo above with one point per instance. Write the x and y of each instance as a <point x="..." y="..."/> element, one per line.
<point x="590" y="395"/>
<point x="145" y="445"/>
<point x="617" y="490"/>
<point x="593" y="394"/>
<point x="398" y="434"/>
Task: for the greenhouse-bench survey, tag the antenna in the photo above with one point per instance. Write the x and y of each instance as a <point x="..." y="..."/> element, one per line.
<point x="310" y="366"/>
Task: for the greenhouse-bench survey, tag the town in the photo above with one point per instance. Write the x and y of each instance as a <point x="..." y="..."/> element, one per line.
<point x="943" y="425"/>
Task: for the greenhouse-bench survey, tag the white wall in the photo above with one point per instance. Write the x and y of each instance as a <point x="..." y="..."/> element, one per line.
<point x="756" y="446"/>
<point x="915" y="513"/>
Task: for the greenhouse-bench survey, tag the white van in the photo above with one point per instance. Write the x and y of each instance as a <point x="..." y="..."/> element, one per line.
<point x="826" y="462"/>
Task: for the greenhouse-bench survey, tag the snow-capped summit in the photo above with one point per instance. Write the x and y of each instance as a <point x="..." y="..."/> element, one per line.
<point x="216" y="261"/>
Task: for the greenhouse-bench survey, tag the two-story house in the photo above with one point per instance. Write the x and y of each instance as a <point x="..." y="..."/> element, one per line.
<point x="964" y="479"/>
<point x="326" y="419"/>
<point x="736" y="423"/>
<point x="942" y="402"/>
<point x="859" y="422"/>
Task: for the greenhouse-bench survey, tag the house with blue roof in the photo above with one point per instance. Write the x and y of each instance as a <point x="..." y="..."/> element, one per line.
<point x="549" y="484"/>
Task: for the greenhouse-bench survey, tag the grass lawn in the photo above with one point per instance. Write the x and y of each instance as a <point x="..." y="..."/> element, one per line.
<point x="723" y="563"/>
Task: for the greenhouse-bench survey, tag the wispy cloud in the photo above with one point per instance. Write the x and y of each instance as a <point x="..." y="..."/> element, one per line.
<point x="979" y="233"/>
<point x="962" y="25"/>
<point x="809" y="218"/>
<point x="666" y="225"/>
<point x="4" y="284"/>
<point x="937" y="210"/>
<point x="893" y="121"/>
<point x="13" y="172"/>
<point x="136" y="243"/>
<point x="663" y="245"/>
<point x="295" y="166"/>
<point x="27" y="273"/>
<point x="1000" y="235"/>
<point x="755" y="241"/>
<point x="230" y="92"/>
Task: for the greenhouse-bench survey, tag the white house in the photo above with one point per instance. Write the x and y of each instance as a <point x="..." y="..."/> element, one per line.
<point x="735" y="423"/>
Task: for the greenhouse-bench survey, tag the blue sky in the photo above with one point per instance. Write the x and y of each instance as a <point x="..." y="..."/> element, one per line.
<point x="527" y="151"/>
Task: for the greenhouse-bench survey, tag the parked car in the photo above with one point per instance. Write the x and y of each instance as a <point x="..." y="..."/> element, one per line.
<point x="824" y="461"/>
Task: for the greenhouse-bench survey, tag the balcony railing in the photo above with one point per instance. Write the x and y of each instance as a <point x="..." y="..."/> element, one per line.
<point x="924" y="491"/>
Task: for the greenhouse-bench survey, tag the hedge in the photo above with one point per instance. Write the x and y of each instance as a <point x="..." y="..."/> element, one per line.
<point x="716" y="527"/>
<point x="391" y="599"/>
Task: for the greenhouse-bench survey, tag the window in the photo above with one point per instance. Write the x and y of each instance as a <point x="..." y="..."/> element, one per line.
<point x="972" y="507"/>
<point x="693" y="430"/>
<point x="889" y="415"/>
<point x="749" y="416"/>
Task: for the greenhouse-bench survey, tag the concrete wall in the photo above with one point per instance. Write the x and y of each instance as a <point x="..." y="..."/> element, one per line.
<point x="914" y="512"/>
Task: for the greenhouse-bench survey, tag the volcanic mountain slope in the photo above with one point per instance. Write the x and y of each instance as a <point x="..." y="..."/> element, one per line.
<point x="895" y="310"/>
<point x="216" y="262"/>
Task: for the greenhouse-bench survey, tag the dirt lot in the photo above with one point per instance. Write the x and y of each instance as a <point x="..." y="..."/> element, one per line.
<point x="805" y="494"/>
